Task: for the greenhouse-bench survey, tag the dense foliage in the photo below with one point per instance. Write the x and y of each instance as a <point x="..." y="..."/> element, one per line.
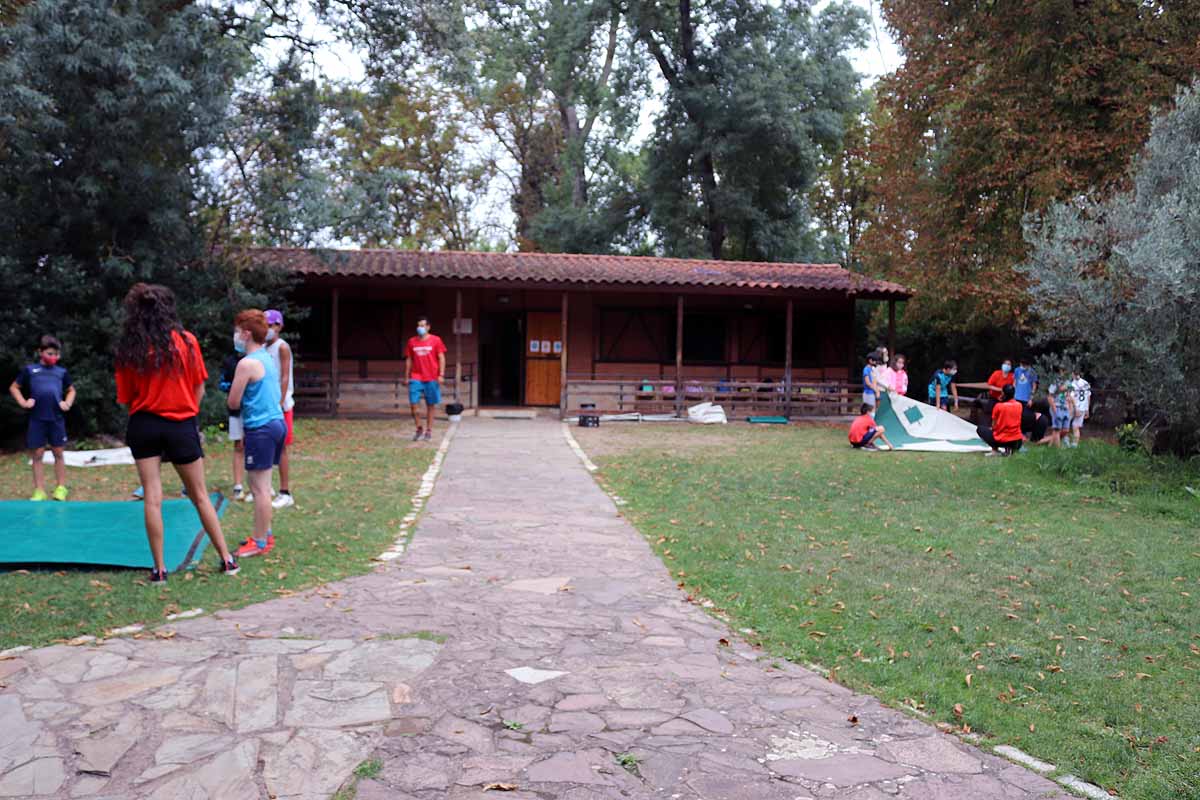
<point x="103" y="110"/>
<point x="1120" y="276"/>
<point x="998" y="110"/>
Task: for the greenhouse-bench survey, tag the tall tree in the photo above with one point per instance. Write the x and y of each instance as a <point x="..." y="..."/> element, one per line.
<point x="103" y="110"/>
<point x="998" y="109"/>
<point x="842" y="198"/>
<point x="1119" y="277"/>
<point x="755" y="91"/>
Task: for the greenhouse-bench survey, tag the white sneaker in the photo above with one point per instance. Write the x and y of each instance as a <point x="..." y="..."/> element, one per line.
<point x="284" y="500"/>
<point x="249" y="498"/>
<point x="239" y="493"/>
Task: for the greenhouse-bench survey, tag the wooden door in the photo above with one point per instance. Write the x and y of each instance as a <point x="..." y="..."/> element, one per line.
<point x="543" y="353"/>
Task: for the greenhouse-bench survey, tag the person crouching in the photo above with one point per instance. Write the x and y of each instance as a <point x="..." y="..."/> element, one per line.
<point x="256" y="394"/>
<point x="1004" y="435"/>
<point x="864" y="433"/>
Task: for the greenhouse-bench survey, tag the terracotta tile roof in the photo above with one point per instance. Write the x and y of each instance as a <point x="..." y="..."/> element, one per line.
<point x="560" y="268"/>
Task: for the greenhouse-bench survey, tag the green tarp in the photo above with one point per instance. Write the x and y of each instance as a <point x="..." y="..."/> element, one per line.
<point x="910" y="425"/>
<point x="110" y="534"/>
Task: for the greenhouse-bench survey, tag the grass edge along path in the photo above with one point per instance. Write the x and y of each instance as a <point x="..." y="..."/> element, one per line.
<point x="353" y="480"/>
<point x="1047" y="602"/>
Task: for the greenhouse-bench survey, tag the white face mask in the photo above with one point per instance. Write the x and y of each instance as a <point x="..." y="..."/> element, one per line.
<point x="271" y="334"/>
<point x="239" y="344"/>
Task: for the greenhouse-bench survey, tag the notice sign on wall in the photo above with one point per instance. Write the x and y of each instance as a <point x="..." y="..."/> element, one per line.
<point x="545" y="345"/>
<point x="557" y="348"/>
<point x="462" y="325"/>
<point x="535" y="346"/>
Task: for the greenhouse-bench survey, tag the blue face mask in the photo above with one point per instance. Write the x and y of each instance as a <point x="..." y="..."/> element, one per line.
<point x="1006" y="367"/>
<point x="271" y="334"/>
<point x="422" y="330"/>
<point x="239" y="344"/>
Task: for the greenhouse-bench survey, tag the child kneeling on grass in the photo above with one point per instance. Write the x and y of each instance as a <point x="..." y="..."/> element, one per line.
<point x="45" y="390"/>
<point x="864" y="432"/>
<point x="256" y="394"/>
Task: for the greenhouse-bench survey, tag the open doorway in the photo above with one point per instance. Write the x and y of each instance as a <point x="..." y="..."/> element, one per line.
<point x="501" y="342"/>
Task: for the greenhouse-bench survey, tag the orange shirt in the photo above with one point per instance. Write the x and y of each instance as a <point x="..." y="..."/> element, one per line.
<point x="1006" y="421"/>
<point x="859" y="428"/>
<point x="999" y="379"/>
<point x="169" y="393"/>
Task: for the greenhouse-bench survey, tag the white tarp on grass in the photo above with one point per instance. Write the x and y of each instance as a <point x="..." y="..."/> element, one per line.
<point x="93" y="458"/>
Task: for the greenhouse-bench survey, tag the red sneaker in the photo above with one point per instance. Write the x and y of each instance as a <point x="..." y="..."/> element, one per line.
<point x="250" y="548"/>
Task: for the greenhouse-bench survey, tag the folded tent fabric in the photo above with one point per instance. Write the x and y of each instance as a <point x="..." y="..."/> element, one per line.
<point x="110" y="534"/>
<point x="911" y="425"/>
<point x="109" y="457"/>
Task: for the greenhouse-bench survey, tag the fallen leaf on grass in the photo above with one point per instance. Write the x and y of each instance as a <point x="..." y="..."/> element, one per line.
<point x="968" y="679"/>
<point x="1142" y="676"/>
<point x="958" y="709"/>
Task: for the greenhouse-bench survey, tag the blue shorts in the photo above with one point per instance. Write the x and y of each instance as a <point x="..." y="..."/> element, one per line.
<point x="430" y="390"/>
<point x="1060" y="421"/>
<point x="866" y="438"/>
<point x="264" y="445"/>
<point x="944" y="402"/>
<point x="46" y="432"/>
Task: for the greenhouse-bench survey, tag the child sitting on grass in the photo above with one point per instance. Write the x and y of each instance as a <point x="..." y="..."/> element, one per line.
<point x="864" y="432"/>
<point x="45" y="390"/>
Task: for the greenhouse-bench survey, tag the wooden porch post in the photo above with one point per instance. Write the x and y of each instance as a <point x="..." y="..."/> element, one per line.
<point x="562" y="364"/>
<point x="787" y="360"/>
<point x="333" y="353"/>
<point x="892" y="328"/>
<point x="457" y="344"/>
<point x="679" y="356"/>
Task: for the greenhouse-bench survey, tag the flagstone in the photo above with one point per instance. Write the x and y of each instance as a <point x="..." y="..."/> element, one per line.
<point x="99" y="754"/>
<point x="191" y="747"/>
<point x="314" y="763"/>
<point x="335" y="704"/>
<point x="42" y="776"/>
<point x="124" y="687"/>
<point x="257" y="693"/>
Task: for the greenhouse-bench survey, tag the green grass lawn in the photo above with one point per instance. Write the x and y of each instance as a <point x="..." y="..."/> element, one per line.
<point x="1050" y="601"/>
<point x="352" y="482"/>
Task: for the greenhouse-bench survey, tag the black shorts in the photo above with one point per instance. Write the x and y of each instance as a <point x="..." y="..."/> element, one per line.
<point x="152" y="436"/>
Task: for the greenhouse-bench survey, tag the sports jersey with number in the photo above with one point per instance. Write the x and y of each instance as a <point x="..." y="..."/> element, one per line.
<point x="1081" y="390"/>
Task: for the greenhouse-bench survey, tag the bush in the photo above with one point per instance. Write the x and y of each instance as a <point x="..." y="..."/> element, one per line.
<point x="1119" y="277"/>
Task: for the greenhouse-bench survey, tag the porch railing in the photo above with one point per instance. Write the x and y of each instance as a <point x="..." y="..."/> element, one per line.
<point x="369" y="397"/>
<point x="740" y="398"/>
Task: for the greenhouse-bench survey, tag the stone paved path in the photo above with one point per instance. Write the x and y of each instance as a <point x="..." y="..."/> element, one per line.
<point x="527" y="642"/>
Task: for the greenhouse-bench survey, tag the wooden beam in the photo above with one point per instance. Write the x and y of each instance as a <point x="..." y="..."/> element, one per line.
<point x="679" y="356"/>
<point x="787" y="359"/>
<point x="562" y="363"/>
<point x="457" y="344"/>
<point x="333" y="355"/>
<point x="892" y="328"/>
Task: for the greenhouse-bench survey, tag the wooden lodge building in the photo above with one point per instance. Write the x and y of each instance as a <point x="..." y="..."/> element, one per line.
<point x="618" y="333"/>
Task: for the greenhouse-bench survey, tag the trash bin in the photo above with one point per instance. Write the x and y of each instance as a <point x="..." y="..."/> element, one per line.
<point x="587" y="420"/>
<point x="454" y="411"/>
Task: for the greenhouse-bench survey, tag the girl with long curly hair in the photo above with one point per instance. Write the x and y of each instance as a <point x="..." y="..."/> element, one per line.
<point x="160" y="377"/>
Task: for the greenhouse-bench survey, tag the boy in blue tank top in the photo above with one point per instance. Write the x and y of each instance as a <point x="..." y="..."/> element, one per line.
<point x="255" y="393"/>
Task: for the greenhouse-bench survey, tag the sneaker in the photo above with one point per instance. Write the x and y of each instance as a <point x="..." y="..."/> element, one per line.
<point x="38" y="495"/>
<point x="249" y="498"/>
<point x="870" y="448"/>
<point x="60" y="493"/>
<point x="417" y="435"/>
<point x="139" y="493"/>
<point x="284" y="500"/>
<point x="230" y="567"/>
<point x="250" y="548"/>
<point x="239" y="493"/>
<point x="429" y="436"/>
<point x="993" y="454"/>
<point x="158" y="577"/>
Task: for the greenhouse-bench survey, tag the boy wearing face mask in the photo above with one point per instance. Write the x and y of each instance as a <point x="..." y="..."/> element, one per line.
<point x="999" y="379"/>
<point x="45" y="390"/>
<point x="942" y="386"/>
<point x="424" y="366"/>
<point x="864" y="432"/>
<point x="281" y="353"/>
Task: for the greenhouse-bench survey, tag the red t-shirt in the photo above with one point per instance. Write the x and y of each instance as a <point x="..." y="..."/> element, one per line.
<point x="859" y="428"/>
<point x="169" y="393"/>
<point x="423" y="353"/>
<point x="999" y="379"/>
<point x="1006" y="421"/>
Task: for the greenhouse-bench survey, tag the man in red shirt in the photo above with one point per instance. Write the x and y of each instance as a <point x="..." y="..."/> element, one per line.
<point x="424" y="367"/>
<point x="1005" y="433"/>
<point x="999" y="379"/>
<point x="864" y="432"/>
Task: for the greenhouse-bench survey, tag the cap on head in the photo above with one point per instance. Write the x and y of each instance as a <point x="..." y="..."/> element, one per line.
<point x="274" y="316"/>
